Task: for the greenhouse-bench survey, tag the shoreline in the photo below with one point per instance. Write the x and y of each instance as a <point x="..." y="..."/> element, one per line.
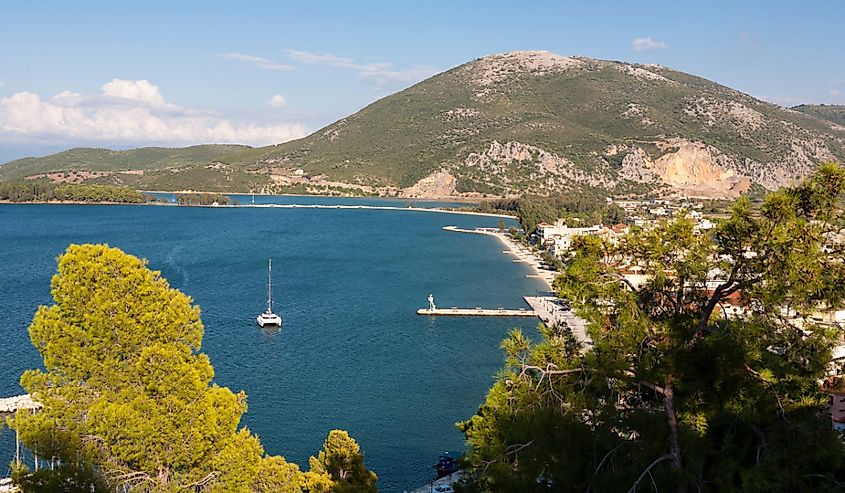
<point x="522" y="255"/>
<point x="457" y="199"/>
<point x="367" y="207"/>
<point x="271" y="206"/>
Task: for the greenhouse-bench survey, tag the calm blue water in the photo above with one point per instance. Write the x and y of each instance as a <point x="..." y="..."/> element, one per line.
<point x="352" y="353"/>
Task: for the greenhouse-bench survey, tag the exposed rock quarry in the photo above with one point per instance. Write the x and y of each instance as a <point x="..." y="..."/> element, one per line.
<point x="438" y="184"/>
<point x="699" y="170"/>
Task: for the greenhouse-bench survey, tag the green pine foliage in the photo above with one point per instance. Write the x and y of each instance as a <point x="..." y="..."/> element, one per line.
<point x="576" y="208"/>
<point x="39" y="191"/>
<point x="128" y="399"/>
<point x="340" y="465"/>
<point x="677" y="394"/>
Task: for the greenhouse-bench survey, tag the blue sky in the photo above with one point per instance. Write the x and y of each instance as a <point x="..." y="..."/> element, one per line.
<point x="122" y="74"/>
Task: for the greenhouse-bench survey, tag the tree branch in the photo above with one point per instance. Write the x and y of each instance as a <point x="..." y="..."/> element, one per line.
<point x="727" y="288"/>
<point x="645" y="473"/>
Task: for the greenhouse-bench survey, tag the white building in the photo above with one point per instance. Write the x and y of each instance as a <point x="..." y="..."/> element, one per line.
<point x="704" y="224"/>
<point x="559" y="236"/>
<point x="549" y="232"/>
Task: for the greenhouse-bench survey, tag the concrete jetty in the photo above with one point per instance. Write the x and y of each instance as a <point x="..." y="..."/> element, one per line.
<point x="6" y="486"/>
<point x="10" y="405"/>
<point x="477" y="312"/>
<point x="555" y="312"/>
<point x="443" y="484"/>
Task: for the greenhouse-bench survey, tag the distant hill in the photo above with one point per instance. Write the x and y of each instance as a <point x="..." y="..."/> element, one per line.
<point x="534" y="122"/>
<point x="830" y="112"/>
<point x="143" y="168"/>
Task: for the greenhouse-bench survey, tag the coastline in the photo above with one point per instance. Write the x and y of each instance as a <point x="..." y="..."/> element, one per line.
<point x="457" y="199"/>
<point x="269" y="206"/>
<point x="522" y="254"/>
<point x="370" y="207"/>
<point x="548" y="277"/>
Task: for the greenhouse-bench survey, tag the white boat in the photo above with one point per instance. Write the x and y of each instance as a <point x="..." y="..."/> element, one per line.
<point x="268" y="318"/>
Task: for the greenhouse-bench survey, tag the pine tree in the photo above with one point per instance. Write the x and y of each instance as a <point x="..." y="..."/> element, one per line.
<point x="342" y="462"/>
<point x="125" y="390"/>
<point x="679" y="392"/>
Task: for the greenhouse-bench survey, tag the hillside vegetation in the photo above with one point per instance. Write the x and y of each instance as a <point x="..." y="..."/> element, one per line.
<point x="831" y="112"/>
<point x="148" y="168"/>
<point x="33" y="191"/>
<point x="508" y="124"/>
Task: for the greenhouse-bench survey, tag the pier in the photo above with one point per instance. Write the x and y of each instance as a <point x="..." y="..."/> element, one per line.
<point x="442" y="484"/>
<point x="10" y="405"/>
<point x="454" y="311"/>
<point x="555" y="312"/>
<point x="477" y="312"/>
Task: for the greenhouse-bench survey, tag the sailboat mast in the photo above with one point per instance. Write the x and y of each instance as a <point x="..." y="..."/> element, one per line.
<point x="270" y="287"/>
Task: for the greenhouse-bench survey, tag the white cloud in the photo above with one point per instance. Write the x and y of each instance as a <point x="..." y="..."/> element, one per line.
<point x="835" y="93"/>
<point x="258" y="61"/>
<point x="66" y="95"/>
<point x="139" y="90"/>
<point x="278" y="101"/>
<point x="642" y="44"/>
<point x="126" y="113"/>
<point x="323" y="59"/>
<point x="378" y="73"/>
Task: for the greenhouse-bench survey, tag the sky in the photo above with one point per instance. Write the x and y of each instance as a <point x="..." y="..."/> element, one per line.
<point x="128" y="74"/>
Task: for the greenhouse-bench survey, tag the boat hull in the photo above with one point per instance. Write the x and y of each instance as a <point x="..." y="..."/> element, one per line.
<point x="271" y="320"/>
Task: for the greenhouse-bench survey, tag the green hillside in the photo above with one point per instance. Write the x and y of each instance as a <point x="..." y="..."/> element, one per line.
<point x="503" y="125"/>
<point x="147" y="165"/>
<point x="831" y="112"/>
<point x="565" y="113"/>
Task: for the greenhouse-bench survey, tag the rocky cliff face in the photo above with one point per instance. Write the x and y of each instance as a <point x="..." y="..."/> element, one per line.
<point x="439" y="184"/>
<point x="690" y="168"/>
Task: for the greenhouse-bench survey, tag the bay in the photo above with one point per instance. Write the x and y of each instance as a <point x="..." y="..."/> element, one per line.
<point x="352" y="353"/>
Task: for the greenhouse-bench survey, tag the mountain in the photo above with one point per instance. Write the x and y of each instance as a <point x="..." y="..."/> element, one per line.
<point x="539" y="122"/>
<point x="831" y="112"/>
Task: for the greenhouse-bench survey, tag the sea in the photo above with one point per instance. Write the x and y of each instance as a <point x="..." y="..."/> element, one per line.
<point x="352" y="353"/>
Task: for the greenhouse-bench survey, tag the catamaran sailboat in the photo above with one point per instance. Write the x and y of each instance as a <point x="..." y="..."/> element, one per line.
<point x="268" y="318"/>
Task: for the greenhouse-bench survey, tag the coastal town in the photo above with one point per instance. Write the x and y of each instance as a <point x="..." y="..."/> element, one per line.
<point x="556" y="241"/>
